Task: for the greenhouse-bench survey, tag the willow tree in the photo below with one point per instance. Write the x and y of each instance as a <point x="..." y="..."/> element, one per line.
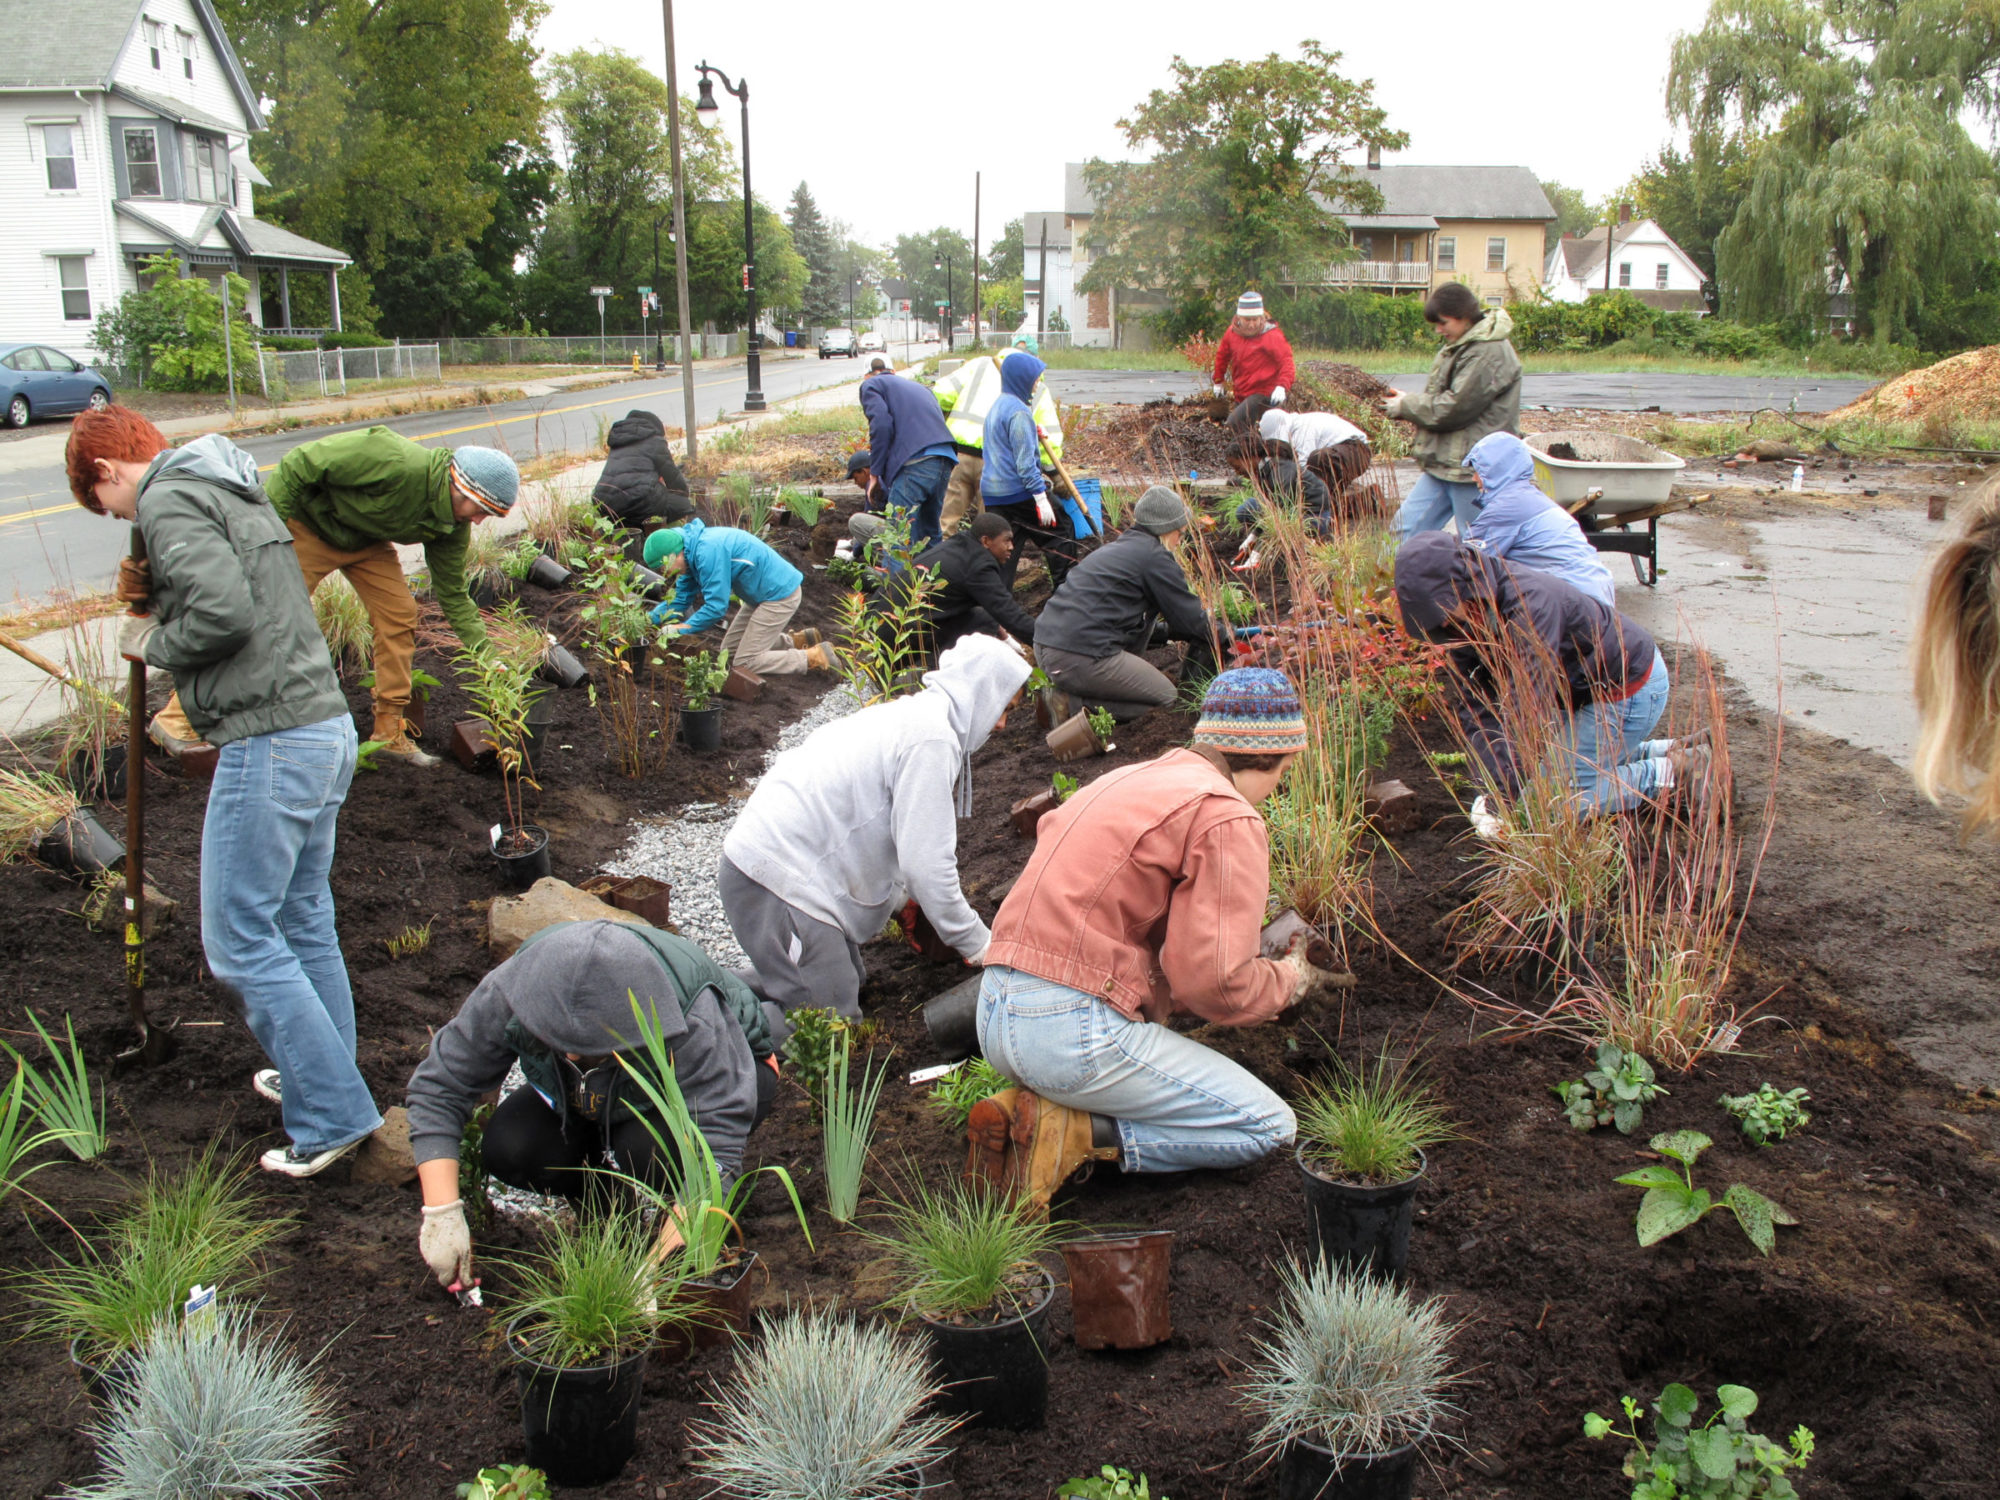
<point x="1862" y="178"/>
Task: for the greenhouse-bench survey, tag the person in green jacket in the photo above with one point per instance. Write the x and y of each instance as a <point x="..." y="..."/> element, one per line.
<point x="347" y="500"/>
<point x="1474" y="389"/>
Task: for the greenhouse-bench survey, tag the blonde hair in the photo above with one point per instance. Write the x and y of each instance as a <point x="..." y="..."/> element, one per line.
<point x="1958" y="667"/>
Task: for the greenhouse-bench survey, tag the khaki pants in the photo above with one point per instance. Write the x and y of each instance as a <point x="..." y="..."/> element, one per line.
<point x="961" y="496"/>
<point x="753" y="636"/>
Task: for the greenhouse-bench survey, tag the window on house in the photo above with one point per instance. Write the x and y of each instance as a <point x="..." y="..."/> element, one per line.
<point x="184" y="44"/>
<point x="1660" y="276"/>
<point x="1406" y="251"/>
<point x="203" y="168"/>
<point x="74" y="273"/>
<point x="1496" y="253"/>
<point x="59" y="152"/>
<point x="142" y="161"/>
<point x="1447" y="252"/>
<point x="155" y="35"/>
<point x="1624" y="273"/>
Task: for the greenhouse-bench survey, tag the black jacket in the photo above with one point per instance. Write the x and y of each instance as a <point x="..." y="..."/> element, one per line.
<point x="640" y="481"/>
<point x="973" y="579"/>
<point x="1574" y="650"/>
<point x="1109" y="601"/>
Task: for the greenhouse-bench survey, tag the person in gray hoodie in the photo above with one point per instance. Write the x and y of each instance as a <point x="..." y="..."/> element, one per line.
<point x="862" y="817"/>
<point x="562" y="1007"/>
<point x="225" y="610"/>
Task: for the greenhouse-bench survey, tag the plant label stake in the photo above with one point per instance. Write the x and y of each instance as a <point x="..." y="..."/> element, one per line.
<point x="156" y="1043"/>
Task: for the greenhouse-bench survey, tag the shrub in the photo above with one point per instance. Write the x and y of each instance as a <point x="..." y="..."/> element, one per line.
<point x="171" y="329"/>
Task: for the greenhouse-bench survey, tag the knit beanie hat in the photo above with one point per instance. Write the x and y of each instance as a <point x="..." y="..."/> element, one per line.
<point x="662" y="544"/>
<point x="489" y="476"/>
<point x="1275" y="425"/>
<point x="1250" y="305"/>
<point x="1160" y="511"/>
<point x="1253" y="711"/>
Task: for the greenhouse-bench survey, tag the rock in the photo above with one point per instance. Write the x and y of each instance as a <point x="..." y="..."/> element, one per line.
<point x="512" y="920"/>
<point x="1767" y="450"/>
<point x="104" y="909"/>
<point x="386" y="1156"/>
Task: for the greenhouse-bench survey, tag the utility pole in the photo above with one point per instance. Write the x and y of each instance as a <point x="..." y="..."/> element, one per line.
<point x="680" y="231"/>
<point x="975" y="261"/>
<point x="1042" y="280"/>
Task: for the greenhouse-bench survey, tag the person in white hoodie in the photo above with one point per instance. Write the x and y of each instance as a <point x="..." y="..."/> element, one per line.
<point x="862" y="817"/>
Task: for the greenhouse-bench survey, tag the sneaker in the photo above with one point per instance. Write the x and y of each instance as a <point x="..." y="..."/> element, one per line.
<point x="404" y="749"/>
<point x="289" y="1161"/>
<point x="265" y="1082"/>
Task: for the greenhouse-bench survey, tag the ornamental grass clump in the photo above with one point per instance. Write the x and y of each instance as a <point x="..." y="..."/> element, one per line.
<point x="596" y="1294"/>
<point x="62" y="1098"/>
<point x="848" y="1127"/>
<point x="343" y="620"/>
<point x="968" y="1254"/>
<point x="31" y="803"/>
<point x="1353" y="1365"/>
<point x="1370" y="1124"/>
<point x="822" y="1408"/>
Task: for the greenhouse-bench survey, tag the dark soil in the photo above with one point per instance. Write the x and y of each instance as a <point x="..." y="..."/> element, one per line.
<point x="1872" y="1323"/>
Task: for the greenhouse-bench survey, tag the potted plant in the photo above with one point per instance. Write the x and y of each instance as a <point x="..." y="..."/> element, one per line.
<point x="969" y="1264"/>
<point x="822" y="1406"/>
<point x="1027" y="814"/>
<point x="417" y="712"/>
<point x="579" y="1324"/>
<point x="528" y="563"/>
<point x="1085" y="733"/>
<point x="40" y="815"/>
<point x="1349" y="1382"/>
<point x="702" y="676"/>
<point x="499" y="683"/>
<point x="1362" y="1134"/>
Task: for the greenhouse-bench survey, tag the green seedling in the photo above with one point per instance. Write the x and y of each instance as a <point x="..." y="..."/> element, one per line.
<point x="846" y="572"/>
<point x="1103" y="726"/>
<point x="507" y="1482"/>
<point x="1615" y="1092"/>
<point x="411" y="941"/>
<point x="1673" y="1203"/>
<point x="954" y="1094"/>
<point x="1768" y="1115"/>
<point x="1720" y="1458"/>
<point x="1108" y="1483"/>
<point x="1235" y="604"/>
<point x="1065" y="787"/>
<point x="702" y="676"/>
<point x="62" y="1099"/>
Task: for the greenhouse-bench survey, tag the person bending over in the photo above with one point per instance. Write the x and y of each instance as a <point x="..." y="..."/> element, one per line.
<point x="1279" y="479"/>
<point x="1515" y="520"/>
<point x="229" y="616"/>
<point x="1257" y="357"/>
<point x="715" y="562"/>
<point x="1474" y="388"/>
<point x="973" y="570"/>
<point x="966" y="396"/>
<point x="561" y="1007"/>
<point x="1090" y="634"/>
<point x="862" y="817"/>
<point x="1327" y="444"/>
<point x="641" y="486"/>
<point x="1958" y="667"/>
<point x="909" y="450"/>
<point x="1144" y="899"/>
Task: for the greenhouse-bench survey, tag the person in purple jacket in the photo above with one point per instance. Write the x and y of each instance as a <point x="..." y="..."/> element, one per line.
<point x="1515" y="520"/>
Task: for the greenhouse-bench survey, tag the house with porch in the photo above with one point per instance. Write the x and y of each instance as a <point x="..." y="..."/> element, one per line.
<point x="125" y="131"/>
<point x="1644" y="260"/>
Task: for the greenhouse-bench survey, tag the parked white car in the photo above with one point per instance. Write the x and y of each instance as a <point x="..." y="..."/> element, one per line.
<point x="872" y="343"/>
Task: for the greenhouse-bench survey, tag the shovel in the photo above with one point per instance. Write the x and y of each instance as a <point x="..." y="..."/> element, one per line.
<point x="156" y="1043"/>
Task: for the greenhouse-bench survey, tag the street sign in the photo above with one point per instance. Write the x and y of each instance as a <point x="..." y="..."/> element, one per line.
<point x="645" y="291"/>
<point x="600" y="291"/>
<point x="942" y="304"/>
<point x="904" y="305"/>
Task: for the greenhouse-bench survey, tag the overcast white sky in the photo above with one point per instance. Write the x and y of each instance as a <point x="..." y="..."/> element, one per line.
<point x="840" y="92"/>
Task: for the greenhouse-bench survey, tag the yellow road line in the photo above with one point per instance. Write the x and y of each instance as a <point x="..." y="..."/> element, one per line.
<point x="29" y="515"/>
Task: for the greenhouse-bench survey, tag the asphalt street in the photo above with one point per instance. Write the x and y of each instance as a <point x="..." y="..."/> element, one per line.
<point x="49" y="542"/>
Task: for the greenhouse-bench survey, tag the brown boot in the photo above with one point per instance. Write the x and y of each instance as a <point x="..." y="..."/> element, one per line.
<point x="988" y="1131"/>
<point x="172" y="732"/>
<point x="819" y="658"/>
<point x="803" y="638"/>
<point x="1050" y="1143"/>
<point x="393" y="736"/>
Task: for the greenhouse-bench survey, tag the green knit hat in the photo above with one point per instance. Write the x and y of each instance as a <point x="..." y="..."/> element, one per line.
<point x="662" y="544"/>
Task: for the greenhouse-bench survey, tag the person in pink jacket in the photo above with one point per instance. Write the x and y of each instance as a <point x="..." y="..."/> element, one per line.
<point x="1145" y="898"/>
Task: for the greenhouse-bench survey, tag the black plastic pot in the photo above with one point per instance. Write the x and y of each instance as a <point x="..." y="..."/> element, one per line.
<point x="562" y="668"/>
<point x="532" y="863"/>
<point x="547" y="573"/>
<point x="81" y="845"/>
<point x="653" y="585"/>
<point x="701" y="728"/>
<point x="1368" y="1227"/>
<point x="1307" y="1471"/>
<point x="995" y="1376"/>
<point x="581" y="1425"/>
<point x="94" y="777"/>
<point x="953" y="1020"/>
<point x="489" y="590"/>
<point x="104" y="1383"/>
<point x="541" y="714"/>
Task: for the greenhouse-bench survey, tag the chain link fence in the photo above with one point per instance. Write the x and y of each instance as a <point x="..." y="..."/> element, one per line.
<point x="310" y="374"/>
<point x="579" y="349"/>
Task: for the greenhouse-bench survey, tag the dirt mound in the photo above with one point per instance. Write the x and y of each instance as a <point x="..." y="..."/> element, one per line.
<point x="1965" y="387"/>
<point x="1351" y="379"/>
<point x="1161" y="437"/>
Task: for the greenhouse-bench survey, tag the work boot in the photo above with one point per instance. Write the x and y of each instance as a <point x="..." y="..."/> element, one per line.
<point x="177" y="739"/>
<point x="803" y="638"/>
<point x="1045" y="1145"/>
<point x="1062" y="708"/>
<point x="988" y="1132"/>
<point x="404" y="750"/>
<point x="819" y="658"/>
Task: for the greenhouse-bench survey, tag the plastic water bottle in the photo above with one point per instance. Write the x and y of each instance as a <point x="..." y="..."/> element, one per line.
<point x="1798" y="477"/>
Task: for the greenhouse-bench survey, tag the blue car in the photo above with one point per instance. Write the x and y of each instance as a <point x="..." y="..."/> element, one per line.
<point x="37" y="381"/>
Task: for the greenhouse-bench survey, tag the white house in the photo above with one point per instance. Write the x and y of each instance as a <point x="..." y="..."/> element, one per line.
<point x="125" y="129"/>
<point x="1644" y="261"/>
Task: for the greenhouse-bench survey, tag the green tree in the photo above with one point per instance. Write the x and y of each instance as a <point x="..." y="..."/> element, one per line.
<point x="1243" y="186"/>
<point x="861" y="269"/>
<point x="1004" y="262"/>
<point x="472" y="288"/>
<point x="824" y="301"/>
<point x="1862" y="176"/>
<point x="1694" y="194"/>
<point x="715" y="263"/>
<point x="1575" y="213"/>
<point x="915" y="254"/>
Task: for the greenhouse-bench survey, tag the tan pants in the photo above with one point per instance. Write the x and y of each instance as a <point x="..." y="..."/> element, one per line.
<point x="377" y="576"/>
<point x="961" y="496"/>
<point x="753" y="636"/>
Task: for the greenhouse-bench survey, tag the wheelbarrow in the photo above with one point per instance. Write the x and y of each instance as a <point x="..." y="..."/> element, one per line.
<point x="1612" y="483"/>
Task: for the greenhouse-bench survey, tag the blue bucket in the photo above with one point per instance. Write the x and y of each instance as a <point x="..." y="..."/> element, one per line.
<point x="1091" y="493"/>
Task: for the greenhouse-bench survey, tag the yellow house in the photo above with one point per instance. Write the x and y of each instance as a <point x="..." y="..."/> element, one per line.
<point x="1479" y="225"/>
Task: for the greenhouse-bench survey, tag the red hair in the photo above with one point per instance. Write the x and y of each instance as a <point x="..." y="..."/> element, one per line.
<point x="117" y="433"/>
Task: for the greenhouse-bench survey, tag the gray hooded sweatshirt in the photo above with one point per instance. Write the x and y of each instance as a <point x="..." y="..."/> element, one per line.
<point x="571" y="989"/>
<point x="862" y="816"/>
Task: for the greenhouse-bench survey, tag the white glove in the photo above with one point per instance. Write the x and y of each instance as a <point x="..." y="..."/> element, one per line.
<point x="446" y="1243"/>
<point x="133" y="635"/>
<point x="1294" y="963"/>
<point x="1393" y="407"/>
<point x="1045" y="511"/>
<point x="1215" y="390"/>
<point x="1485" y="822"/>
<point x="1277" y="395"/>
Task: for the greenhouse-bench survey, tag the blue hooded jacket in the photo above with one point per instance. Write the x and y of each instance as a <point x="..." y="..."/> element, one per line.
<point x="1515" y="520"/>
<point x="1010" y="446"/>
<point x="904" y="425"/>
<point x="720" y="561"/>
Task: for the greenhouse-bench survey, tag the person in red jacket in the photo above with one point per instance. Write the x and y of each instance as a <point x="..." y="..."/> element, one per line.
<point x="1261" y="357"/>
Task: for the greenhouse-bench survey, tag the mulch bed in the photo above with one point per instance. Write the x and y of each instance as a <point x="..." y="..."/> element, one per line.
<point x="1872" y="1323"/>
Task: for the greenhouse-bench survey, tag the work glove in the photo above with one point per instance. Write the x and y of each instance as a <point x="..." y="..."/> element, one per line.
<point x="1044" y="511"/>
<point x="1277" y="395"/>
<point x="133" y="635"/>
<point x="1393" y="407"/>
<point x="673" y="632"/>
<point x="446" y="1242"/>
<point x="661" y="612"/>
<point x="1215" y="390"/>
<point x="135" y="581"/>
<point x="1296" y="969"/>
<point x="1485" y="822"/>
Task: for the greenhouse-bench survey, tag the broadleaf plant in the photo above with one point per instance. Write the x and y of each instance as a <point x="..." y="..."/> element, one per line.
<point x="1615" y="1092"/>
<point x="1673" y="1203"/>
<point x="1720" y="1458"/>
<point x="1768" y="1115"/>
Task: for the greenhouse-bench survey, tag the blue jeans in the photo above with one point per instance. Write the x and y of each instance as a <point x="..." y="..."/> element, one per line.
<point x="1177" y="1104"/>
<point x="919" y="488"/>
<point x="267" y="920"/>
<point x="1616" y="766"/>
<point x="1432" y="504"/>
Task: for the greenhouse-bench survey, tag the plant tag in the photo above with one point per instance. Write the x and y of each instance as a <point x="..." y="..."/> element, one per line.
<point x="931" y="1075"/>
<point x="494" y="833"/>
<point x="200" y="1299"/>
<point x="470" y="1297"/>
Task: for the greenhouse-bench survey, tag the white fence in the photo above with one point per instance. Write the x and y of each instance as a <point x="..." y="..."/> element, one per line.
<point x="311" y="373"/>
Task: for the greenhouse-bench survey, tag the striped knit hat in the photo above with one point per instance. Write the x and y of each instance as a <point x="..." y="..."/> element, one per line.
<point x="488" y="476"/>
<point x="1251" y="710"/>
<point x="1250" y="305"/>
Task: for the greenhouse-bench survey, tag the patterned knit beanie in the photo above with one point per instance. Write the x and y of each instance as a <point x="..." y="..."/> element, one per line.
<point x="1253" y="711"/>
<point x="489" y="476"/>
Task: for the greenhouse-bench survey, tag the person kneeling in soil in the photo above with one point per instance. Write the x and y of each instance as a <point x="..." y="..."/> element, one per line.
<point x="1325" y="443"/>
<point x="1596" y="670"/>
<point x="1958" y="667"/>
<point x="1277" y="479"/>
<point x="975" y="592"/>
<point x="717" y="561"/>
<point x="562" y="1008"/>
<point x="862" y="817"/>
<point x="641" y="486"/>
<point x="1515" y="520"/>
<point x="1474" y="388"/>
<point x="1144" y="898"/>
<point x="229" y="616"/>
<point x="1089" y="635"/>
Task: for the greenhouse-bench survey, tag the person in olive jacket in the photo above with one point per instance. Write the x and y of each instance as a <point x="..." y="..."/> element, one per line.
<point x="1474" y="388"/>
<point x="562" y="1007"/>
<point x="641" y="486"/>
<point x="227" y="614"/>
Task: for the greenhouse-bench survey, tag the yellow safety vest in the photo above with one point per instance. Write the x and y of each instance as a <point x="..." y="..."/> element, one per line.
<point x="967" y="394"/>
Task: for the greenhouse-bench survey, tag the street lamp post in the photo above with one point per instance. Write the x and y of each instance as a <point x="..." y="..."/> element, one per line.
<point x="706" y="107"/>
<point x="659" y="330"/>
<point x="943" y="263"/>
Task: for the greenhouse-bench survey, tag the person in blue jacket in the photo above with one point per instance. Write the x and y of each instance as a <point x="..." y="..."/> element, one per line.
<point x="717" y="561"/>
<point x="1515" y="520"/>
<point x="1012" y="484"/>
<point x="910" y="450"/>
